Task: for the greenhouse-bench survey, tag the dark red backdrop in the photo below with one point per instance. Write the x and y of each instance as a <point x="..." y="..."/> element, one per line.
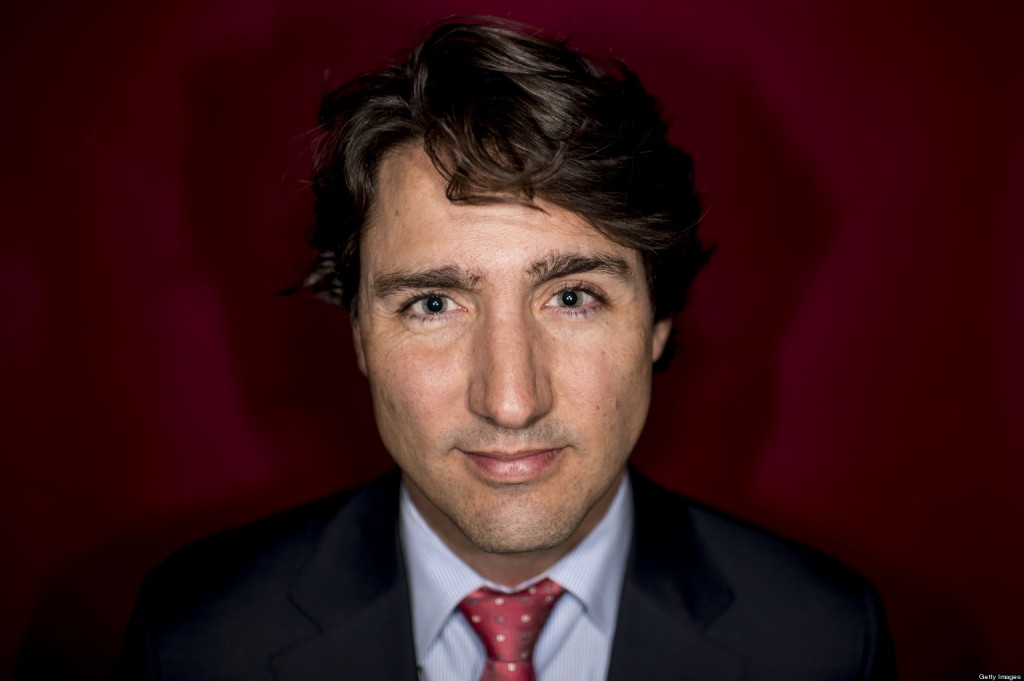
<point x="850" y="370"/>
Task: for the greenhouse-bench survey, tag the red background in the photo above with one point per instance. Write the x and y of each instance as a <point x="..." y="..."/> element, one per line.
<point x="850" y="370"/>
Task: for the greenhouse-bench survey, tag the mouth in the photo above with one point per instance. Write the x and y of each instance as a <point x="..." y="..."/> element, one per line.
<point x="513" y="467"/>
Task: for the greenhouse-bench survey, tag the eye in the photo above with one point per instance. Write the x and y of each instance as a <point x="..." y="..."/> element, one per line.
<point x="431" y="307"/>
<point x="573" y="298"/>
<point x="433" y="304"/>
<point x="569" y="298"/>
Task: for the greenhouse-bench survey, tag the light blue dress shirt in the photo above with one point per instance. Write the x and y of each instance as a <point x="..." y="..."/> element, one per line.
<point x="576" y="640"/>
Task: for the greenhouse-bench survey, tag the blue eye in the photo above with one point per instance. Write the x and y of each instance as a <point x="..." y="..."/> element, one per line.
<point x="572" y="298"/>
<point x="575" y="301"/>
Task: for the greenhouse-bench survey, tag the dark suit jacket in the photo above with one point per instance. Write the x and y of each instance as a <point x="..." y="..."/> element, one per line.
<point x="320" y="593"/>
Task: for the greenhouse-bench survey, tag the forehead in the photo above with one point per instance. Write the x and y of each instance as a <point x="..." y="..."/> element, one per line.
<point x="413" y="224"/>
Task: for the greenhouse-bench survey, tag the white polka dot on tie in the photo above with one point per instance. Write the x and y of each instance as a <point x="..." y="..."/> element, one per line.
<point x="511" y="666"/>
<point x="500" y="638"/>
<point x="525" y="618"/>
<point x="475" y="618"/>
<point x="523" y="656"/>
<point x="499" y="601"/>
<point x="533" y="590"/>
<point x="548" y="599"/>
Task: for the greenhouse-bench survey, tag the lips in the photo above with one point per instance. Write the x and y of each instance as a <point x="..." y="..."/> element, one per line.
<point x="513" y="467"/>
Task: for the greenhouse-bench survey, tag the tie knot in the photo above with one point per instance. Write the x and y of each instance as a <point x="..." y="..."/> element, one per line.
<point x="509" y="625"/>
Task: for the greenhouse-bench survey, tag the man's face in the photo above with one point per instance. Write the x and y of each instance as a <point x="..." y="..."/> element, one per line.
<point x="508" y="351"/>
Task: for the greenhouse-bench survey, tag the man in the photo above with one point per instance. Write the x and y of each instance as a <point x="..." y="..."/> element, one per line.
<point x="512" y="234"/>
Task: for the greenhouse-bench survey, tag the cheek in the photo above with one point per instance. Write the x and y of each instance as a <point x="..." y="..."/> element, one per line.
<point x="414" y="390"/>
<point x="606" y="382"/>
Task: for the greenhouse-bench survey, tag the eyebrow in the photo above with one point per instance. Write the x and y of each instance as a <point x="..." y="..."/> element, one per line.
<point x="558" y="265"/>
<point x="449" y="277"/>
<point x="453" y="278"/>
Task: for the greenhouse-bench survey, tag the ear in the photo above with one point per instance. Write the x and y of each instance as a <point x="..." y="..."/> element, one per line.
<point x="659" y="336"/>
<point x="357" y="342"/>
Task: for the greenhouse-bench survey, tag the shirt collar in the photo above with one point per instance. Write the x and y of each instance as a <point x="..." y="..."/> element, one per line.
<point x="592" y="572"/>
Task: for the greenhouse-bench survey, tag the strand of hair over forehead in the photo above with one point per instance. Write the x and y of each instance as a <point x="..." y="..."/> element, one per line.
<point x="481" y="146"/>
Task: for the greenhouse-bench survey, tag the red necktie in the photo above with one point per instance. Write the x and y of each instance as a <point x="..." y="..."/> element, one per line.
<point x="509" y="625"/>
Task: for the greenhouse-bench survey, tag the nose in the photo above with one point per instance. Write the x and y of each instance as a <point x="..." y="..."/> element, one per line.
<point x="509" y="385"/>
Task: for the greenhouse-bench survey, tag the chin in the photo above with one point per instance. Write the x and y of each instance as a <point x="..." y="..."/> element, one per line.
<point x="522" y="531"/>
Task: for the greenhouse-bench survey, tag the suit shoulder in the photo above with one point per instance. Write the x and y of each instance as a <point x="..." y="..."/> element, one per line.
<point x="743" y="551"/>
<point x="221" y="606"/>
<point x="248" y="571"/>
<point x="793" y="599"/>
<point x="282" y="538"/>
<point x="748" y="551"/>
<point x="779" y="603"/>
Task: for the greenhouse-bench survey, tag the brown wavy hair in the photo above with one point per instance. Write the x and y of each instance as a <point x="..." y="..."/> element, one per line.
<point x="508" y="116"/>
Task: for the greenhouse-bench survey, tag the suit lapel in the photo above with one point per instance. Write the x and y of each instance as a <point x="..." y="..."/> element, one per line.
<point x="354" y="589"/>
<point x="672" y="593"/>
